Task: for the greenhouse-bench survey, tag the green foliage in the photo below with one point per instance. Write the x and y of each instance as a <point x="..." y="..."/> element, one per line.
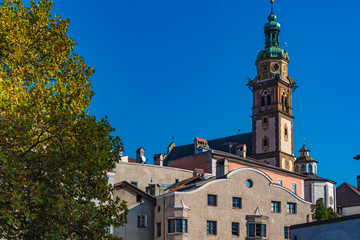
<point x="323" y="213"/>
<point x="53" y="156"/>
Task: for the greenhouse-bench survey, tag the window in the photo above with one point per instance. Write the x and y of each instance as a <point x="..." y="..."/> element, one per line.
<point x="177" y="226"/>
<point x="142" y="221"/>
<point x="211" y="227"/>
<point x="265" y="142"/>
<point x="291" y="208"/>
<point x="286" y="233"/>
<point x="265" y="120"/>
<point x="236" y="202"/>
<point x="275" y="206"/>
<point x="235" y="229"/>
<point x="257" y="230"/>
<point x="310" y="168"/>
<point x="211" y="200"/>
<point x="138" y="198"/>
<point x="303" y="168"/>
<point x="262" y="101"/>
<point x="268" y="99"/>
<point x="134" y="184"/>
<point x="280" y="182"/>
<point x="176" y="180"/>
<point x="249" y="183"/>
<point x="158" y="229"/>
<point x="293" y="188"/>
<point x="339" y="210"/>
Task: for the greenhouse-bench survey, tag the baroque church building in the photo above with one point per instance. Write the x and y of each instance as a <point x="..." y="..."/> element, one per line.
<point x="271" y="139"/>
<point x="270" y="145"/>
<point x="246" y="186"/>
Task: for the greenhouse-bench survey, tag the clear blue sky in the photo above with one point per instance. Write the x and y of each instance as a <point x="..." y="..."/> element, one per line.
<point x="178" y="68"/>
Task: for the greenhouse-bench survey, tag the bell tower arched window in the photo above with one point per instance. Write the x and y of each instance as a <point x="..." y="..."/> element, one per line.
<point x="262" y="99"/>
<point x="265" y="98"/>
<point x="268" y="99"/>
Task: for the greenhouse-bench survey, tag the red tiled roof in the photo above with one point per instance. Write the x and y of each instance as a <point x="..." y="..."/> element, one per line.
<point x="347" y="195"/>
<point x="200" y="140"/>
<point x="157" y="155"/>
<point x="199" y="170"/>
<point x="132" y="160"/>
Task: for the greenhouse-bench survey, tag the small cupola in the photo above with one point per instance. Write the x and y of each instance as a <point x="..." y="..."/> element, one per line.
<point x="200" y="145"/>
<point x="304" y="163"/>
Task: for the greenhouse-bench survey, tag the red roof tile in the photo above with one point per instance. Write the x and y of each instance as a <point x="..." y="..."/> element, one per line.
<point x="132" y="160"/>
<point x="200" y="140"/>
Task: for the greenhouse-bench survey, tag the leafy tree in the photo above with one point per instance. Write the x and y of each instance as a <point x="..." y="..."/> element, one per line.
<point x="53" y="156"/>
<point x="323" y="213"/>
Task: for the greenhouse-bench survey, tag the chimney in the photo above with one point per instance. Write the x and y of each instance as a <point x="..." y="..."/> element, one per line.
<point x="158" y="159"/>
<point x="241" y="150"/>
<point x="140" y="158"/>
<point x="358" y="182"/>
<point x="222" y="167"/>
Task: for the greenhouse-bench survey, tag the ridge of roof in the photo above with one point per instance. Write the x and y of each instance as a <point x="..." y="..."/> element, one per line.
<point x="218" y="144"/>
<point x="257" y="162"/>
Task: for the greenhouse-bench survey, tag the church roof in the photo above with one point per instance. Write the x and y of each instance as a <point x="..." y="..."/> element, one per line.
<point x="304" y="149"/>
<point x="221" y="144"/>
<point x="305" y="159"/>
<point x="314" y="177"/>
<point x="347" y="195"/>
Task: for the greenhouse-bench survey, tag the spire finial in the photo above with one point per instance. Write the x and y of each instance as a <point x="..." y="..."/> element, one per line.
<point x="304" y="141"/>
<point x="271" y="1"/>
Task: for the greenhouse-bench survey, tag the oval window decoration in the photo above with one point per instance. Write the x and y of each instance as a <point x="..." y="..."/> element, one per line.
<point x="249" y="183"/>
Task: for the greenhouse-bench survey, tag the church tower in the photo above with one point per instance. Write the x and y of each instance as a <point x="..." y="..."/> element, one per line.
<point x="272" y="119"/>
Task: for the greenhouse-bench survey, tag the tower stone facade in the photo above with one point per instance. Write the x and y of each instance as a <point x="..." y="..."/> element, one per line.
<point x="272" y="119"/>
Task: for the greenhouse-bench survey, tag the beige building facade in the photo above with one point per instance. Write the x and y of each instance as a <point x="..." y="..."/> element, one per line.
<point x="244" y="204"/>
<point x="146" y="177"/>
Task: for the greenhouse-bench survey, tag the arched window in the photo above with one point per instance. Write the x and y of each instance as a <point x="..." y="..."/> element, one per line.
<point x="296" y="168"/>
<point x="262" y="101"/>
<point x="315" y="169"/>
<point x="310" y="170"/>
<point x="268" y="99"/>
<point x="303" y="168"/>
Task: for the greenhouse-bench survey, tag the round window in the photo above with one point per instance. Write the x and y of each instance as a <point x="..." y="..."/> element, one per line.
<point x="249" y="183"/>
